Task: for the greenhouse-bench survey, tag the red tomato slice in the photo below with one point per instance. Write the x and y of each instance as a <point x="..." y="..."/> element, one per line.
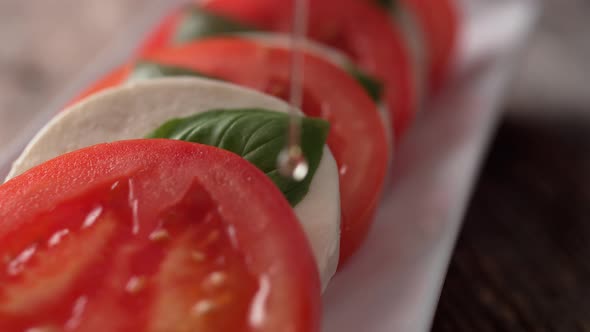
<point x="440" y="22"/>
<point x="359" y="29"/>
<point x="152" y="235"/>
<point x="357" y="138"/>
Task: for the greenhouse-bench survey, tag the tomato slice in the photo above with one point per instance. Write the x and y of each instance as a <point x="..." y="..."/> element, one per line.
<point x="440" y="23"/>
<point x="357" y="138"/>
<point x="361" y="30"/>
<point x="152" y="235"/>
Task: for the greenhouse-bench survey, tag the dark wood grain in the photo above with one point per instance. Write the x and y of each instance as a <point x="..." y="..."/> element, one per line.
<point x="522" y="262"/>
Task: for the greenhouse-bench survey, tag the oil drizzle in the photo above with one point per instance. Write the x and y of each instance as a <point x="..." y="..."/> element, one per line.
<point x="16" y="266"/>
<point x="291" y="161"/>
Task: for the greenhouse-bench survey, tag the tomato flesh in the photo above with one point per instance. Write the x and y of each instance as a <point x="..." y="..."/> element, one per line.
<point x="132" y="246"/>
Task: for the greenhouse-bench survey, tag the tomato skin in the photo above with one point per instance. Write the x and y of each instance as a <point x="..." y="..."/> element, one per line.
<point x="360" y="30"/>
<point x="357" y="138"/>
<point x="440" y="23"/>
<point x="264" y="223"/>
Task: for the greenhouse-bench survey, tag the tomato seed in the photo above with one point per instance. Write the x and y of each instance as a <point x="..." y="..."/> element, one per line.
<point x="55" y="239"/>
<point x="43" y="329"/>
<point x="220" y="260"/>
<point x="114" y="185"/>
<point x="159" y="235"/>
<point x="231" y="232"/>
<point x="203" y="307"/>
<point x="92" y="216"/>
<point x="198" y="256"/>
<point x="77" y="311"/>
<point x="213" y="236"/>
<point x="17" y="265"/>
<point x="135" y="285"/>
<point x="215" y="279"/>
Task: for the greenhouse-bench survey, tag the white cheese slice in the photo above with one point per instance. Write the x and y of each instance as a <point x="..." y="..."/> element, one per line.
<point x="134" y="110"/>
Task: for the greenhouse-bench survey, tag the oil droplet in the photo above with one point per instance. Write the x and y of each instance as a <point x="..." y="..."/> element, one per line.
<point x="92" y="217"/>
<point x="203" y="307"/>
<point x="159" y="235"/>
<point x="292" y="164"/>
<point x="55" y="239"/>
<point x="135" y="284"/>
<point x="198" y="256"/>
<point x="17" y="265"/>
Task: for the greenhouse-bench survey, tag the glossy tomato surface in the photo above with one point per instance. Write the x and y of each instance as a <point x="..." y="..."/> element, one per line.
<point x="152" y="235"/>
<point x="357" y="137"/>
<point x="359" y="29"/>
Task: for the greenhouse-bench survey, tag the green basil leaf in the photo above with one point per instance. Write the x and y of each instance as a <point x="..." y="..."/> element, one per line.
<point x="258" y="136"/>
<point x="373" y="86"/>
<point x="144" y="70"/>
<point x="198" y="23"/>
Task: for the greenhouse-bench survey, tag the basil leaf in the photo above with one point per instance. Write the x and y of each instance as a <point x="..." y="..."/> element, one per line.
<point x="258" y="136"/>
<point x="373" y="86"/>
<point x="198" y="23"/>
<point x="144" y="70"/>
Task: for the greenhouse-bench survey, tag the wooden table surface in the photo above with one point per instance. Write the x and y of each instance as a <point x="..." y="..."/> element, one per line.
<point x="522" y="262"/>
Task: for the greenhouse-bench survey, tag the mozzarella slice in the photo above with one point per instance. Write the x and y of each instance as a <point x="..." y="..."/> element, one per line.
<point x="134" y="110"/>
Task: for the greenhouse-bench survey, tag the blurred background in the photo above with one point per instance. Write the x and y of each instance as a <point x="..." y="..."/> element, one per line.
<point x="522" y="262"/>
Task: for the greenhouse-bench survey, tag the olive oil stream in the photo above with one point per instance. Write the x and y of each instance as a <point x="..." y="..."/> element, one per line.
<point x="291" y="161"/>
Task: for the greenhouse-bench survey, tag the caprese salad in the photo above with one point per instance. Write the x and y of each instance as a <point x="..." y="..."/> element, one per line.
<point x="153" y="201"/>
